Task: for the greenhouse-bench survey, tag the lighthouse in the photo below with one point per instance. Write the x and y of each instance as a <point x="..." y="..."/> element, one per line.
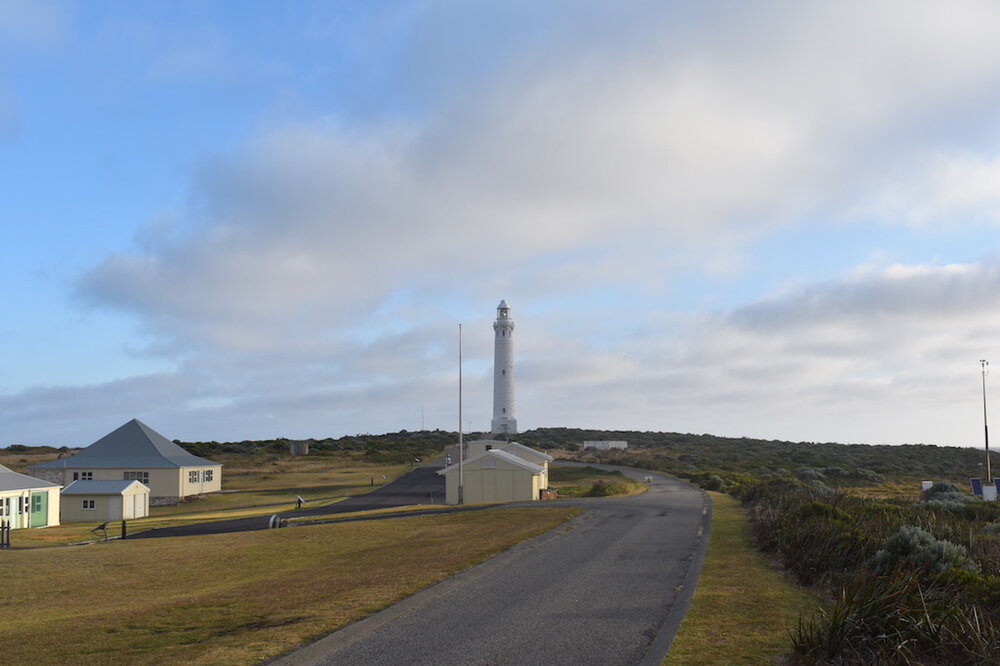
<point x="504" y="413"/>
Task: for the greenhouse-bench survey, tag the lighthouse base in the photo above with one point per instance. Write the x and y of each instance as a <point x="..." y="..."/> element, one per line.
<point x="503" y="426"/>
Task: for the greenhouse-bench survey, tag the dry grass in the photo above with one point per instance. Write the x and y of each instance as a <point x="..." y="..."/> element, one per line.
<point x="742" y="609"/>
<point x="235" y="598"/>
<point x="252" y="486"/>
<point x="19" y="460"/>
<point x="893" y="489"/>
<point x="253" y="480"/>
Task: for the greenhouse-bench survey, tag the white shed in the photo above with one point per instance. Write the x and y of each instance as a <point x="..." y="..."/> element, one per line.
<point x="101" y="501"/>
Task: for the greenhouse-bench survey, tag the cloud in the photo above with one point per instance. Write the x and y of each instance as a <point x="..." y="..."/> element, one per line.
<point x="888" y="356"/>
<point x="877" y="356"/>
<point x="581" y="174"/>
<point x="946" y="190"/>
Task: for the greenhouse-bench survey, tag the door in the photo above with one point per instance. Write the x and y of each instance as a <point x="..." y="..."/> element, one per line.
<point x="39" y="509"/>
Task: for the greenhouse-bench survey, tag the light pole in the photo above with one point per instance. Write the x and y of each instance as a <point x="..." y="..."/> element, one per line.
<point x="984" y="364"/>
<point x="461" y="447"/>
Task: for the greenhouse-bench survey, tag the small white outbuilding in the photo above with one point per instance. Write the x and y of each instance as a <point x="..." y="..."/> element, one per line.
<point x="103" y="501"/>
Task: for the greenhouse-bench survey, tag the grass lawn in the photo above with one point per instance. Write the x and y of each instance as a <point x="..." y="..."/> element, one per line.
<point x="235" y="598"/>
<point x="252" y="486"/>
<point x="580" y="481"/>
<point x="742" y="608"/>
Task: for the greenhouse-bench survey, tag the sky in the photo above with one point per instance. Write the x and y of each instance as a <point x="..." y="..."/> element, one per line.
<point x="246" y="220"/>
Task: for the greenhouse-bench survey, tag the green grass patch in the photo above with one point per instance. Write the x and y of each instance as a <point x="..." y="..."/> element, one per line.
<point x="236" y="598"/>
<point x="592" y="482"/>
<point x="742" y="609"/>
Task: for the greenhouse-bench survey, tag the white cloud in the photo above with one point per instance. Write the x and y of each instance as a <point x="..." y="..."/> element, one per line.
<point x="942" y="190"/>
<point x="604" y="155"/>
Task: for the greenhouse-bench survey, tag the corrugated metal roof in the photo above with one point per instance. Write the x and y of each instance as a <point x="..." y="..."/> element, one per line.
<point x="500" y="455"/>
<point x="11" y="480"/>
<point x="133" y="445"/>
<point x="100" y="487"/>
<point x="518" y="446"/>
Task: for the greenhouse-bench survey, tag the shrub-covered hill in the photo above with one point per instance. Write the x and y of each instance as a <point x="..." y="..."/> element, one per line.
<point x="690" y="455"/>
<point x="687" y="455"/>
<point x="734" y="459"/>
<point x="399" y="447"/>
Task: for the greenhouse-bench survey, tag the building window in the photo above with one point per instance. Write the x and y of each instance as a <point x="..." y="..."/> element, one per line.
<point x="4" y="507"/>
<point x="83" y="476"/>
<point x="89" y="504"/>
<point x="193" y="476"/>
<point x="208" y="475"/>
<point x="141" y="477"/>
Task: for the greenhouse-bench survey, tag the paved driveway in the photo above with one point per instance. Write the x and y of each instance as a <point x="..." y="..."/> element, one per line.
<point x="609" y="587"/>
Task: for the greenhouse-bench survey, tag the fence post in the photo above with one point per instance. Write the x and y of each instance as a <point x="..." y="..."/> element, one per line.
<point x="124" y="530"/>
<point x="4" y="534"/>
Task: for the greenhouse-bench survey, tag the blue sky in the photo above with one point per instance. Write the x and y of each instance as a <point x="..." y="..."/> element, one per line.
<point x="246" y="220"/>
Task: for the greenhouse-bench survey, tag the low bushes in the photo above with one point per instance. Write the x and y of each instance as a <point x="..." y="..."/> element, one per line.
<point x="912" y="583"/>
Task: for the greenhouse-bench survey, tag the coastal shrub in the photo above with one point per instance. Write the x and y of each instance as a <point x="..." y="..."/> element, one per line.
<point x="902" y="618"/>
<point x="913" y="547"/>
<point x="711" y="482"/>
<point x="602" y="489"/>
<point x="809" y="474"/>
<point x="946" y="491"/>
<point x="821" y="488"/>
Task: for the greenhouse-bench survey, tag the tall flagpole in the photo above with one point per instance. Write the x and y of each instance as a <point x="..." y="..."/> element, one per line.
<point x="461" y="446"/>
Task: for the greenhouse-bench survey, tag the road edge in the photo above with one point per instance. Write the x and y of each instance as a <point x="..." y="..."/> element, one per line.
<point x="660" y="645"/>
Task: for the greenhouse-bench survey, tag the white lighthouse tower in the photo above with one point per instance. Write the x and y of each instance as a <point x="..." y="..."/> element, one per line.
<point x="504" y="414"/>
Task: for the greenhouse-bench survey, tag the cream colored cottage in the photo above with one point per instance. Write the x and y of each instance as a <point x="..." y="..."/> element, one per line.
<point x="494" y="475"/>
<point x="136" y="452"/>
<point x="26" y="501"/>
<point x="479" y="446"/>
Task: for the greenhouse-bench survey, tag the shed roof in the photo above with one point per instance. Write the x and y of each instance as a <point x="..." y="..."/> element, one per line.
<point x="101" y="487"/>
<point x="11" y="480"/>
<point x="133" y="445"/>
<point x="521" y="448"/>
<point x="499" y="455"/>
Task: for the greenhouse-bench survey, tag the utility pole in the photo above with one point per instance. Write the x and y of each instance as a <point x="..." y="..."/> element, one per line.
<point x="984" y="364"/>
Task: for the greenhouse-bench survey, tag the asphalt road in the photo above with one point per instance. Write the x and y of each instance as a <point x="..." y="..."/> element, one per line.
<point x="421" y="485"/>
<point x="610" y="587"/>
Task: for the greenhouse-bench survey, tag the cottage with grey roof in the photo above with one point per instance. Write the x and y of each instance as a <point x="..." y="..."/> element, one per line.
<point x="136" y="452"/>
